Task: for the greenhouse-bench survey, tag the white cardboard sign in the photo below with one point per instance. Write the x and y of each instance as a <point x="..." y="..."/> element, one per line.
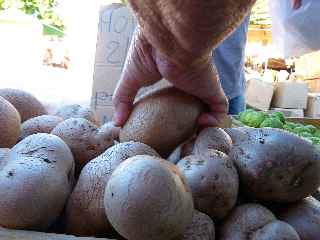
<point x="116" y="26"/>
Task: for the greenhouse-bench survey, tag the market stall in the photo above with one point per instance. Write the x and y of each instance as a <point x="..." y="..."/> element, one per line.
<point x="67" y="172"/>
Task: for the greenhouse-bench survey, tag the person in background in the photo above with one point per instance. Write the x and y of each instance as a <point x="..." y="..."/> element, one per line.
<point x="187" y="67"/>
<point x="229" y="58"/>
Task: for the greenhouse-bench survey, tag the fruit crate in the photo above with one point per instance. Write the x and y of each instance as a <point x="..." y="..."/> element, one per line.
<point x="6" y="234"/>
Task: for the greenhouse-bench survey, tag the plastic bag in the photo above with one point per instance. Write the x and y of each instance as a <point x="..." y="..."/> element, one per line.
<point x="295" y="31"/>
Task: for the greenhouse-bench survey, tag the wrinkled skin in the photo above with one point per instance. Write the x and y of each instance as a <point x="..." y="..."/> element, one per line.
<point x="174" y="41"/>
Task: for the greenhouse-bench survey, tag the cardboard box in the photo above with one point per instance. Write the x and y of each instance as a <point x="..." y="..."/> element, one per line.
<point x="116" y="26"/>
<point x="259" y="94"/>
<point x="289" y="113"/>
<point x="292" y="95"/>
<point x="313" y="109"/>
<point x="314" y="85"/>
<point x="307" y="66"/>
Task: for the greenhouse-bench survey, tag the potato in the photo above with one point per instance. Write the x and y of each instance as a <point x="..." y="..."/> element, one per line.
<point x="4" y="153"/>
<point x="9" y="124"/>
<point x="316" y="195"/>
<point x="212" y="139"/>
<point x="201" y="228"/>
<point x="111" y="129"/>
<point x="40" y="124"/>
<point x="276" y="230"/>
<point x="304" y="217"/>
<point x="77" y="111"/>
<point x="245" y="220"/>
<point x="277" y="166"/>
<point x="36" y="181"/>
<point x="85" y="139"/>
<point x="255" y="222"/>
<point x="214" y="182"/>
<point x="237" y="135"/>
<point x="183" y="150"/>
<point x="27" y="105"/>
<point x="162" y="119"/>
<point x="147" y="198"/>
<point x="85" y="213"/>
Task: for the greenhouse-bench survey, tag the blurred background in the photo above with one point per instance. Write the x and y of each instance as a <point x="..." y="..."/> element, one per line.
<point x="48" y="47"/>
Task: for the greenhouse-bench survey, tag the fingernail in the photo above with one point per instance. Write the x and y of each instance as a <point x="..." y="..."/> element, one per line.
<point x="211" y="120"/>
<point x="207" y="120"/>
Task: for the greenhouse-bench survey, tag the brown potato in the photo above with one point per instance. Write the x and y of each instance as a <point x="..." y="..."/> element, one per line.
<point x="85" y="139"/>
<point x="201" y="228"/>
<point x="85" y="214"/>
<point x="27" y="105"/>
<point x="77" y="111"/>
<point x="4" y="153"/>
<point x="255" y="222"/>
<point x="237" y="135"/>
<point x="110" y="129"/>
<point x="9" y="124"/>
<point x="245" y="220"/>
<point x="214" y="182"/>
<point x="40" y="124"/>
<point x="304" y="217"/>
<point x="183" y="150"/>
<point x="163" y="119"/>
<point x="276" y="230"/>
<point x="147" y="198"/>
<point x="212" y="139"/>
<point x="316" y="195"/>
<point x="277" y="166"/>
<point x="36" y="181"/>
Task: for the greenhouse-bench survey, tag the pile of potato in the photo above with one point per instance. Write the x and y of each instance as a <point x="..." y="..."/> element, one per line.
<point x="159" y="177"/>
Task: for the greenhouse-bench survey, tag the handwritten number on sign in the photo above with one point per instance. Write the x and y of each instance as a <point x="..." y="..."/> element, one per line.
<point x="120" y="24"/>
<point x="113" y="46"/>
<point x="109" y="22"/>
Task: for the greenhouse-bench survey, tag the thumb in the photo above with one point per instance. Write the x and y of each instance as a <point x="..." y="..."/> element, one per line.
<point x="139" y="70"/>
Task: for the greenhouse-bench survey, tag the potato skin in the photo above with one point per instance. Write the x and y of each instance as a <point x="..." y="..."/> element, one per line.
<point x="147" y="198"/>
<point x="109" y="129"/>
<point x="304" y="217"/>
<point x="212" y="139"/>
<point x="27" y="105"/>
<point x="40" y="124"/>
<point x="77" y="111"/>
<point x="276" y="230"/>
<point x="238" y="135"/>
<point x="4" y="153"/>
<point x="38" y="174"/>
<point x="201" y="228"/>
<point x="214" y="182"/>
<point x="277" y="166"/>
<point x="85" y="213"/>
<point x="245" y="220"/>
<point x="84" y="138"/>
<point x="162" y="119"/>
<point x="183" y="150"/>
<point x="10" y="122"/>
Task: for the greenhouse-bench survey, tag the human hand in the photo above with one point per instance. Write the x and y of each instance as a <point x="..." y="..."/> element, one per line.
<point x="146" y="66"/>
<point x="296" y="4"/>
<point x="175" y="41"/>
